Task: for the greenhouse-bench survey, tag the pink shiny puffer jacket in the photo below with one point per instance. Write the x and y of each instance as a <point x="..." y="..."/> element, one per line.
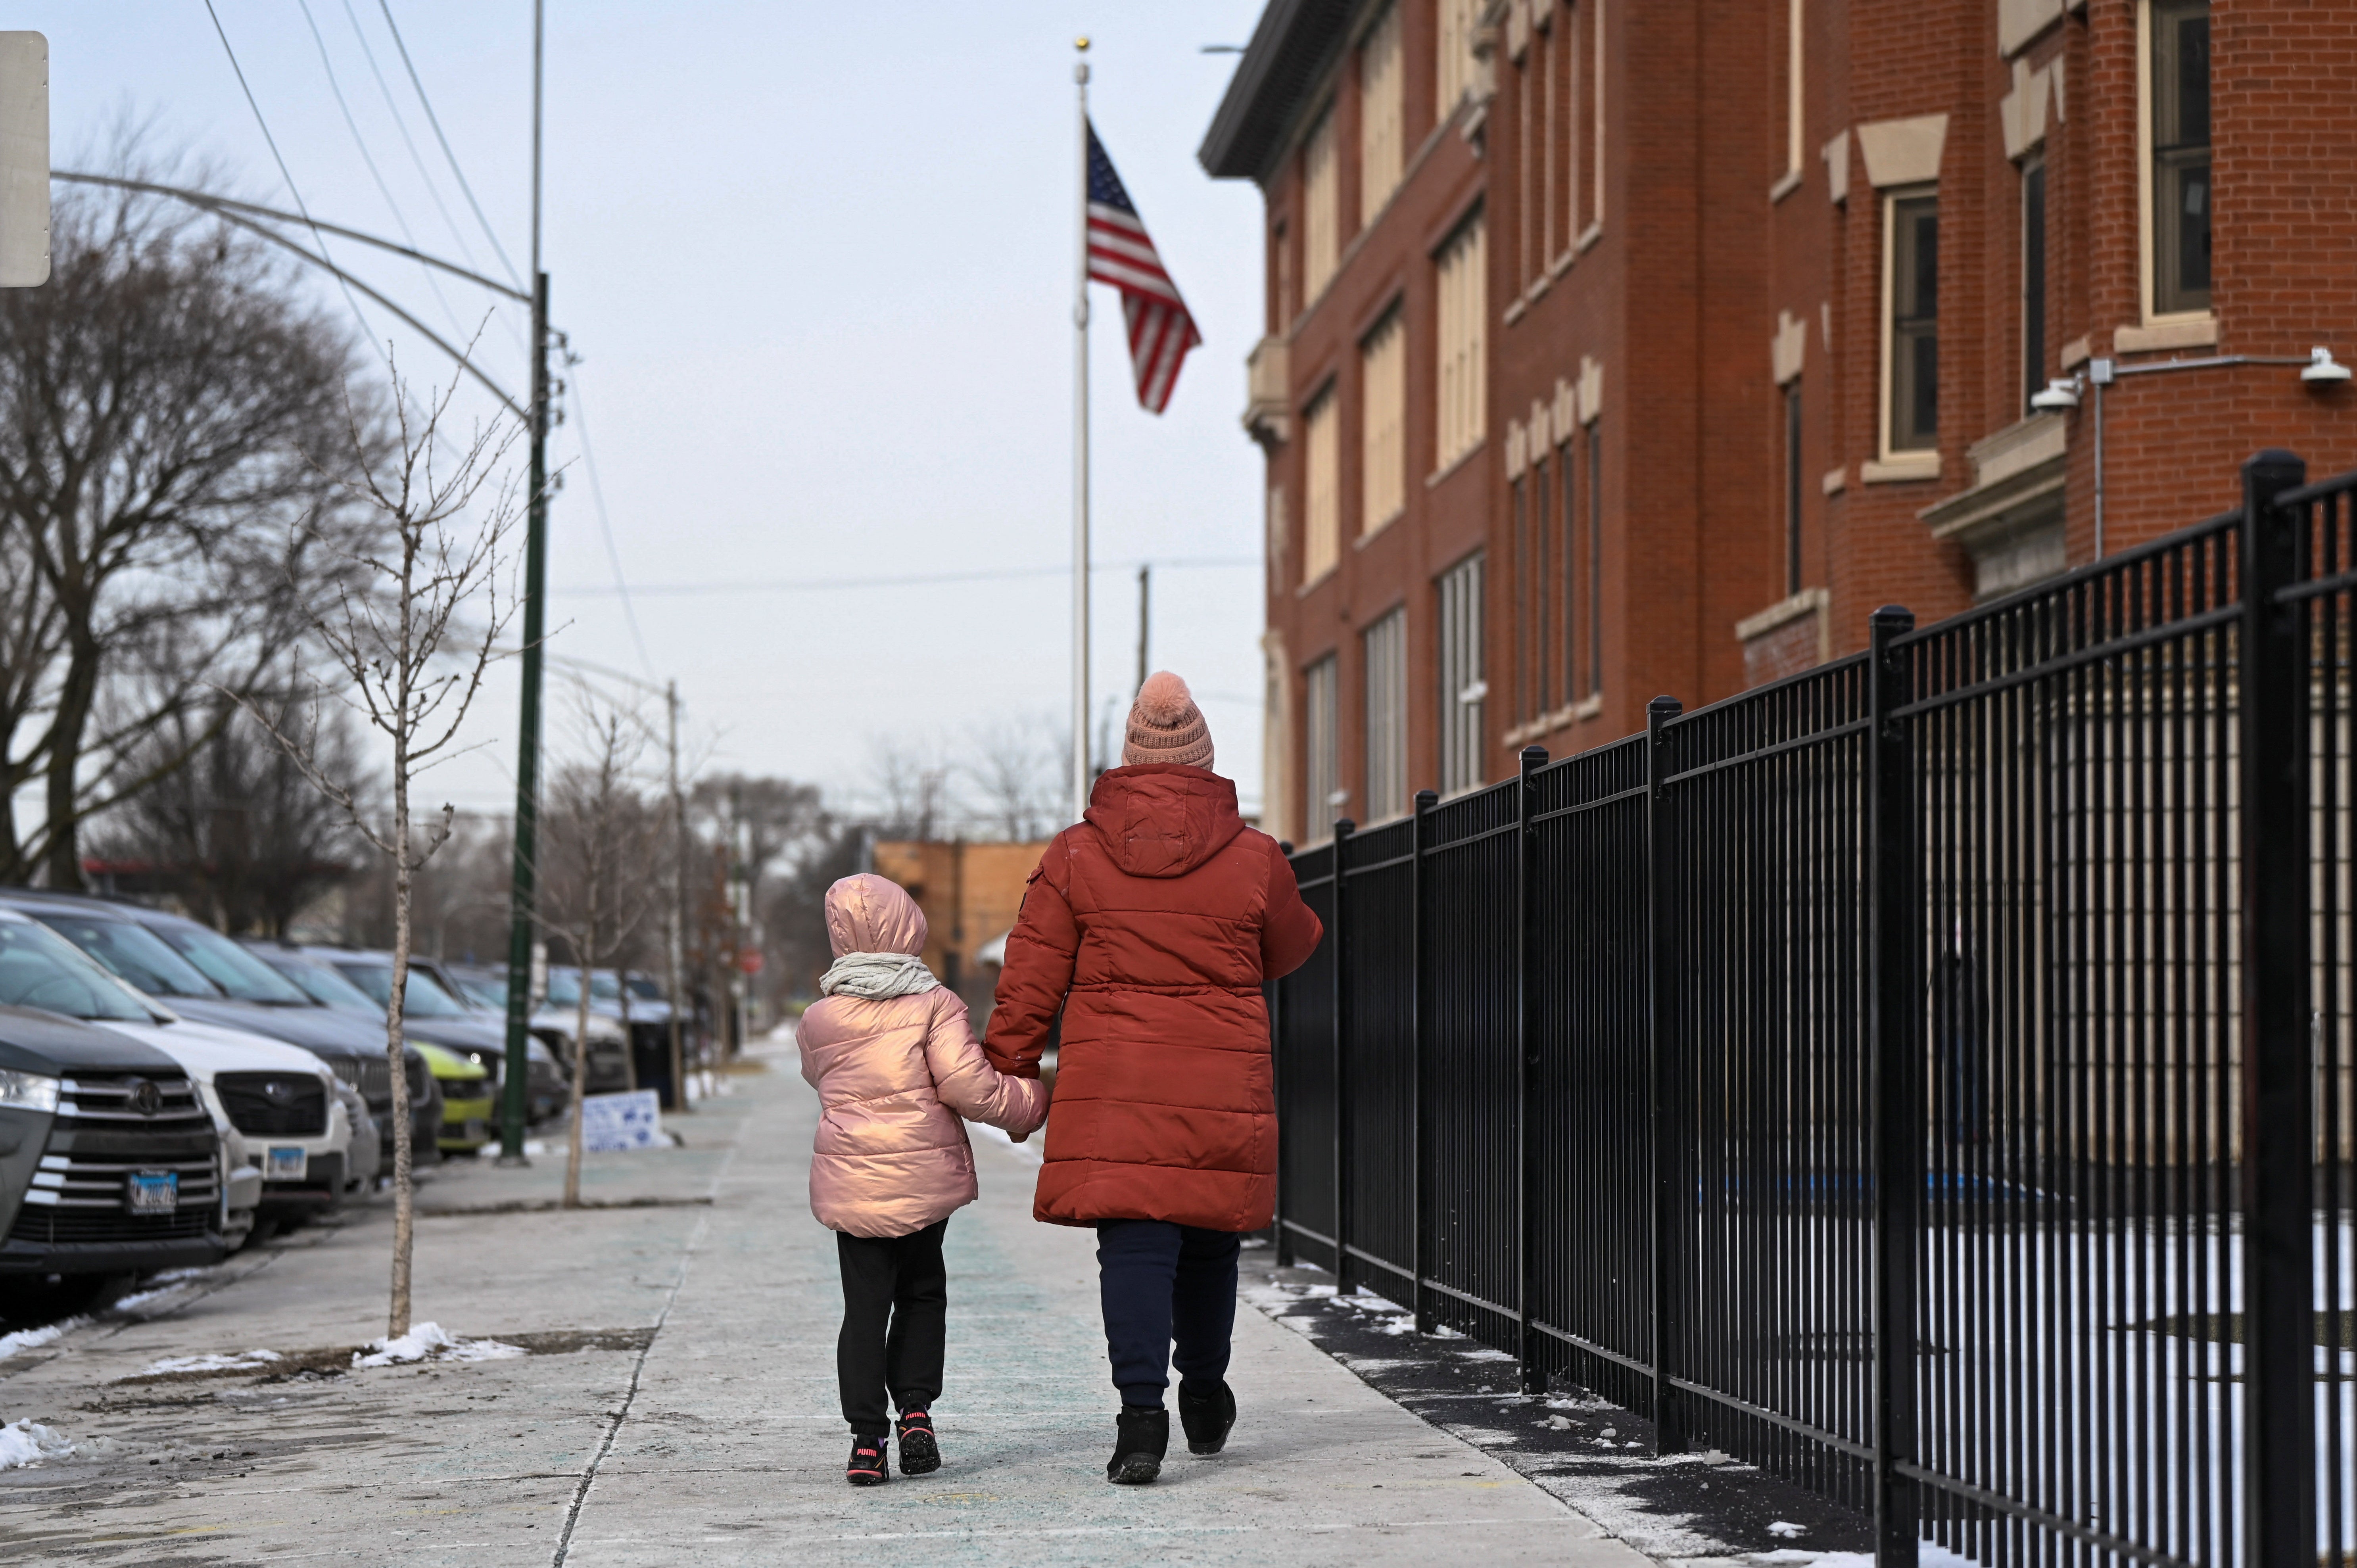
<point x="894" y="1074"/>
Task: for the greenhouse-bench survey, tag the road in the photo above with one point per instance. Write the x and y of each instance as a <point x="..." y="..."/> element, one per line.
<point x="678" y="1402"/>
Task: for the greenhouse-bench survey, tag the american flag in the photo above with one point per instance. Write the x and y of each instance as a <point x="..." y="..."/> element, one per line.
<point x="1160" y="331"/>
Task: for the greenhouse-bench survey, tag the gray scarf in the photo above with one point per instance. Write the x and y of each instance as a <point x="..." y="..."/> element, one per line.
<point x="876" y="975"/>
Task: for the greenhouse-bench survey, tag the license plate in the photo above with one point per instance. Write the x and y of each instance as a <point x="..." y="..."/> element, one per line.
<point x="287" y="1164"/>
<point x="155" y="1192"/>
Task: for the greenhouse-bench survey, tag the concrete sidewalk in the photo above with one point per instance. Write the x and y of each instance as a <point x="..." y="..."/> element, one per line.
<point x="679" y="1401"/>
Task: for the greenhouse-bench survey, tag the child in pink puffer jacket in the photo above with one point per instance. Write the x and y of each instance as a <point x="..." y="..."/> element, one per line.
<point x="896" y="1063"/>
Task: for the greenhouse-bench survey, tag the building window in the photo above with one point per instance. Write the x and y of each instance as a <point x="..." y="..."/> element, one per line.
<point x="1793" y="134"/>
<point x="1793" y="491"/>
<point x="1381" y="132"/>
<point x="2177" y="128"/>
<point x="1462" y="304"/>
<point x="1518" y="589"/>
<point x="1596" y="110"/>
<point x="1288" y="305"/>
<point x="1595" y="558"/>
<point x="2034" y="279"/>
<point x="1321" y="208"/>
<point x="1461" y="686"/>
<point x="1542" y="586"/>
<point x="1321" y="510"/>
<point x="1385" y="646"/>
<point x="1910" y="247"/>
<point x="1322" y="795"/>
<point x="1454" y="21"/>
<point x="1566" y="508"/>
<point x="1382" y="444"/>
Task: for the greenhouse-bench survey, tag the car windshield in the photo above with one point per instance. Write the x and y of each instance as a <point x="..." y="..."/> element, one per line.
<point x="487" y="993"/>
<point x="133" y="952"/>
<point x="645" y="990"/>
<point x="425" y="999"/>
<point x="325" y="984"/>
<point x="232" y="968"/>
<point x="564" y="988"/>
<point x="40" y="968"/>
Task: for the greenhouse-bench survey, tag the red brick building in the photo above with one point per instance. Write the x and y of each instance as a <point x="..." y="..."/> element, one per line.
<point x="1625" y="347"/>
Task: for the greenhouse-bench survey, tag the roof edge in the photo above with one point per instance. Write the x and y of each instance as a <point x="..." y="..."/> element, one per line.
<point x="1290" y="47"/>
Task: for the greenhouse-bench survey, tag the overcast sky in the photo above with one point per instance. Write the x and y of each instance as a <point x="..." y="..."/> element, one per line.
<point x="817" y="262"/>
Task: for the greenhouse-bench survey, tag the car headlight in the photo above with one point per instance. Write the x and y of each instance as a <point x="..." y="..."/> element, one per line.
<point x="27" y="1090"/>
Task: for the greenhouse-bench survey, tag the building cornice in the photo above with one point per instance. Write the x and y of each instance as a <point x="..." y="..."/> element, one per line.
<point x="1281" y="67"/>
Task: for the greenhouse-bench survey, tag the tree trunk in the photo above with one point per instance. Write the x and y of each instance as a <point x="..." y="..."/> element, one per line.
<point x="581" y="1057"/>
<point x="403" y="1189"/>
<point x="76" y="698"/>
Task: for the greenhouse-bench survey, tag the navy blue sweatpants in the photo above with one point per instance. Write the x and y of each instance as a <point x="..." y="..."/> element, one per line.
<point x="1162" y="1283"/>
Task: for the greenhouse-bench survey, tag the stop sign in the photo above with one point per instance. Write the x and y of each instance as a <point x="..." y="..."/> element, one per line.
<point x="749" y="961"/>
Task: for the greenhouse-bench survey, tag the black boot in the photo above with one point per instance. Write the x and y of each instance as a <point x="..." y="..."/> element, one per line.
<point x="1143" y="1436"/>
<point x="1207" y="1412"/>
<point x="920" y="1454"/>
<point x="870" y="1464"/>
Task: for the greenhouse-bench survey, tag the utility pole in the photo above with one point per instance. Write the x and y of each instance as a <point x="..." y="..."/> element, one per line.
<point x="678" y="901"/>
<point x="1081" y="779"/>
<point x="1145" y="618"/>
<point x="522" y="901"/>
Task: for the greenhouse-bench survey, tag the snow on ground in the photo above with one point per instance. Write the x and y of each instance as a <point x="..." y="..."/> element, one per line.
<point x="26" y="1443"/>
<point x="33" y="1338"/>
<point x="169" y="1283"/>
<point x="235" y="1361"/>
<point x="427" y="1342"/>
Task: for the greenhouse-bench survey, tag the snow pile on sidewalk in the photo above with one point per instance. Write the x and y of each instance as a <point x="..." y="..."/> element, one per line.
<point x="169" y="1283"/>
<point x="234" y="1363"/>
<point x="33" y="1338"/>
<point x="25" y="1444"/>
<point x="427" y="1342"/>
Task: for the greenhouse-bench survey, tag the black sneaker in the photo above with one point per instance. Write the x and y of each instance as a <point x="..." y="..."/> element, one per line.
<point x="1142" y="1439"/>
<point x="920" y="1454"/>
<point x="1206" y="1413"/>
<point x="870" y="1466"/>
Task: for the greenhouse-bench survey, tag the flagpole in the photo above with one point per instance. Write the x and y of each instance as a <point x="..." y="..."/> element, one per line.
<point x="1080" y="464"/>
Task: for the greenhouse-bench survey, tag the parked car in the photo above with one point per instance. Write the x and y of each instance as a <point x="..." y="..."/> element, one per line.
<point x="314" y="970"/>
<point x="201" y="974"/>
<point x="481" y="985"/>
<point x="109" y="1162"/>
<point x="609" y="1030"/>
<point x="466" y="1106"/>
<point x="40" y="968"/>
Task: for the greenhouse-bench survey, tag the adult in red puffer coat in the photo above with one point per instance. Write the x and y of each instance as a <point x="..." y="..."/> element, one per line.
<point x="1151" y="927"/>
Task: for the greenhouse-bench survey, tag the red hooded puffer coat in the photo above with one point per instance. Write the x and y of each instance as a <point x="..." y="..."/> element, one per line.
<point x="1153" y="924"/>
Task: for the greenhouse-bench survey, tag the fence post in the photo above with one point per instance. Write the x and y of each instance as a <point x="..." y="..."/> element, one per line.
<point x="1526" y="1055"/>
<point x="2279" y="1333"/>
<point x="1894" y="928"/>
<point x="1283" y="1238"/>
<point x="1342" y="831"/>
<point x="1668" y="1435"/>
<point x="1419" y="1302"/>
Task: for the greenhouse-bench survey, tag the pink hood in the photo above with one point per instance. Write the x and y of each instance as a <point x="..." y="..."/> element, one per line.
<point x="894" y="1075"/>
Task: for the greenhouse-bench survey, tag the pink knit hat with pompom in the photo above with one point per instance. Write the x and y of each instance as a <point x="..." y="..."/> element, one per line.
<point x="1165" y="725"/>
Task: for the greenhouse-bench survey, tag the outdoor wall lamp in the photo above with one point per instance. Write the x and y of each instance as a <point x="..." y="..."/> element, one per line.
<point x="2062" y="392"/>
<point x="2323" y="370"/>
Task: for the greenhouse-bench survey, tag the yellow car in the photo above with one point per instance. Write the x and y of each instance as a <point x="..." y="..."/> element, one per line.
<point x="467" y="1123"/>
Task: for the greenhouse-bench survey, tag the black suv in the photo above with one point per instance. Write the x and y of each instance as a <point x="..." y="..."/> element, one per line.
<point x="109" y="1162"/>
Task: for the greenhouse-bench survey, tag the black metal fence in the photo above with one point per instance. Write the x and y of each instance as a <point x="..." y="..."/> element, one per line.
<point x="1994" y="984"/>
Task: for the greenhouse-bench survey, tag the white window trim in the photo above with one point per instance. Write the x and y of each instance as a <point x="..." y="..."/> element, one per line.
<point x="2144" y="214"/>
<point x="1891" y="465"/>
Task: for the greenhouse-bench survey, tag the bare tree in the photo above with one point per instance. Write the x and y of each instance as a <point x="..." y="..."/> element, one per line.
<point x="1017" y="768"/>
<point x="602" y="847"/>
<point x="239" y="832"/>
<point x="411" y="636"/>
<point x="168" y="406"/>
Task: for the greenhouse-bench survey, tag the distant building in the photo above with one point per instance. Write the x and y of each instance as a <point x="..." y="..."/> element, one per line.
<point x="1617" y="347"/>
<point x="971" y="894"/>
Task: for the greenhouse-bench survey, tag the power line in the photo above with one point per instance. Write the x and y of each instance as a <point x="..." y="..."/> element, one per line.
<point x="598" y="494"/>
<point x="417" y="158"/>
<point x="284" y="172"/>
<point x="383" y="189"/>
<point x="430" y="118"/>
<point x="815" y="584"/>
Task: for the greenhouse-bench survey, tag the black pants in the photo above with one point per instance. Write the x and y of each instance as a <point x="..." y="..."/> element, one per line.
<point x="895" y="1303"/>
<point x="1162" y="1283"/>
